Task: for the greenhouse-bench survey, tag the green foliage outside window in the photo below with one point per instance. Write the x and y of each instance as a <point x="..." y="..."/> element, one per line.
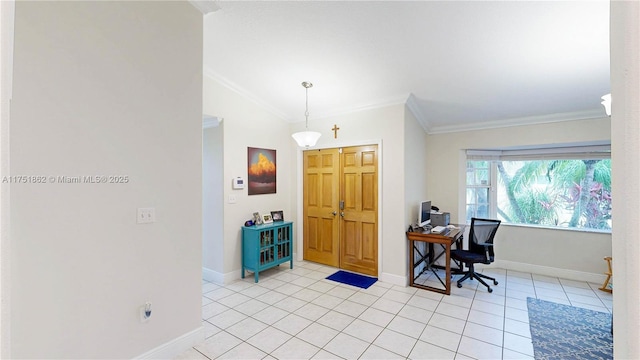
<point x="558" y="193"/>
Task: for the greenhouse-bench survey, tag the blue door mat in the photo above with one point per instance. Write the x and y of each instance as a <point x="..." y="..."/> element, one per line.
<point x="348" y="278"/>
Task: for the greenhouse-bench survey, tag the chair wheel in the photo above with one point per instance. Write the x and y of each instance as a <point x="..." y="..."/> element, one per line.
<point x="495" y="282"/>
<point x="490" y="290"/>
<point x="459" y="285"/>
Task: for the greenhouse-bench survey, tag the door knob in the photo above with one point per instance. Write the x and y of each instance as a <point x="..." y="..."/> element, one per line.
<point x="334" y="213"/>
<point x="342" y="213"/>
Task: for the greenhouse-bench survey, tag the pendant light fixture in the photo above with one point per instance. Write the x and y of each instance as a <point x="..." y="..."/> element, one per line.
<point x="306" y="138"/>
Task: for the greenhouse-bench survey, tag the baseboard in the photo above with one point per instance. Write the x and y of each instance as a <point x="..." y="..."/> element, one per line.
<point x="220" y="278"/>
<point x="550" y="271"/>
<point x="394" y="279"/>
<point x="176" y="346"/>
<point x="212" y="276"/>
<point x="233" y="276"/>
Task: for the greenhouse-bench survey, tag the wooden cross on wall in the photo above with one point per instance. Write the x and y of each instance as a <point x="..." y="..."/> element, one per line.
<point x="335" y="131"/>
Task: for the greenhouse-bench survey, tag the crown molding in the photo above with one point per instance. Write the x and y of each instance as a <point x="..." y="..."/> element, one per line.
<point x="521" y="121"/>
<point x="205" y="6"/>
<point x="411" y="103"/>
<point x="209" y="121"/>
<point x="414" y="108"/>
<point x="395" y="100"/>
<point x="244" y="93"/>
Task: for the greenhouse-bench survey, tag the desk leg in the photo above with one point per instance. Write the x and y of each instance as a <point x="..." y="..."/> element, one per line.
<point x="432" y="253"/>
<point x="448" y="269"/>
<point x="411" y="255"/>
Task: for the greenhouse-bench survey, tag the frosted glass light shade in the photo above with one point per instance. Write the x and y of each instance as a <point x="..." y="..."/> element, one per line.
<point x="306" y="138"/>
<point x="606" y="102"/>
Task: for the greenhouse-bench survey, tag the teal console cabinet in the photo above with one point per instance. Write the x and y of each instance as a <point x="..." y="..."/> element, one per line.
<point x="266" y="246"/>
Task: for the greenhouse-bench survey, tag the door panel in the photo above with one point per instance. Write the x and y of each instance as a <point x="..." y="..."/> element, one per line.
<point x="320" y="206"/>
<point x="348" y="241"/>
<point x="359" y="224"/>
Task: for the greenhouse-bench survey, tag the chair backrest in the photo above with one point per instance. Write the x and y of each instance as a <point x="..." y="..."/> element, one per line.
<point x="483" y="231"/>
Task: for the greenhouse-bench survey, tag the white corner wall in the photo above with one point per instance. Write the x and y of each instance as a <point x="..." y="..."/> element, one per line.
<point x="6" y="75"/>
<point x="246" y="124"/>
<point x="542" y="251"/>
<point x="416" y="171"/>
<point x="416" y="167"/>
<point x="625" y="123"/>
<point x="212" y="203"/>
<point x="105" y="88"/>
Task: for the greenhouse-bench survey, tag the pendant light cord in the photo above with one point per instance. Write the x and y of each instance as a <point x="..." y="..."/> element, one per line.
<point x="306" y="86"/>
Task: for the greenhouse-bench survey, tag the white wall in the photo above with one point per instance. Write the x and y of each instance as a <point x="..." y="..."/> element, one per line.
<point x="416" y="167"/>
<point x="625" y="123"/>
<point x="385" y="126"/>
<point x="415" y="174"/>
<point x="546" y="249"/>
<point x="105" y="88"/>
<point x="246" y="124"/>
<point x="212" y="203"/>
<point x="6" y="75"/>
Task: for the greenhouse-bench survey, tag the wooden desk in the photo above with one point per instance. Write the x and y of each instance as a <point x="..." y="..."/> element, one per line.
<point x="445" y="239"/>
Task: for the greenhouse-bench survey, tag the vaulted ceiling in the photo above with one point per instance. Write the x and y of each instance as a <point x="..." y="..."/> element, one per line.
<point x="458" y="64"/>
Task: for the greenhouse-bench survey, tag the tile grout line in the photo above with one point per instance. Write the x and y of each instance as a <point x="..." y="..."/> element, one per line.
<point x="378" y="296"/>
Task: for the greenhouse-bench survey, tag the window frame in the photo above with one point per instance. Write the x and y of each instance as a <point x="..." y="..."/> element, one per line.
<point x="491" y="203"/>
<point x="562" y="152"/>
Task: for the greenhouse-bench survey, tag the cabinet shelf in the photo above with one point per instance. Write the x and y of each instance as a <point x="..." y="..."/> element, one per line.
<point x="266" y="246"/>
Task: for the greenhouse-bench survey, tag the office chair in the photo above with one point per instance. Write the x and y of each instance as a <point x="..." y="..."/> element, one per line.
<point x="480" y="250"/>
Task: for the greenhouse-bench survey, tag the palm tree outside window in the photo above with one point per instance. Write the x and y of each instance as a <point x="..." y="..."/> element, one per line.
<point x="571" y="190"/>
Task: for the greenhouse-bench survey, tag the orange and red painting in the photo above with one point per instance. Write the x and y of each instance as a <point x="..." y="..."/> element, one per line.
<point x="262" y="171"/>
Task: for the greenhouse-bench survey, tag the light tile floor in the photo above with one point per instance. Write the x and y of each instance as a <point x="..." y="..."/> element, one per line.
<point x="298" y="314"/>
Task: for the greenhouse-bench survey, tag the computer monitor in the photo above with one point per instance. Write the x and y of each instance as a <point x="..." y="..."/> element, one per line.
<point x="424" y="213"/>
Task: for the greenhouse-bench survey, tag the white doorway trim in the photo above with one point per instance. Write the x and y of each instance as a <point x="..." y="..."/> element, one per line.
<point x="299" y="196"/>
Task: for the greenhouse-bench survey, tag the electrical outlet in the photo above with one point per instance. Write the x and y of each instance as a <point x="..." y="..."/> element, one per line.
<point x="146" y="215"/>
<point x="232" y="199"/>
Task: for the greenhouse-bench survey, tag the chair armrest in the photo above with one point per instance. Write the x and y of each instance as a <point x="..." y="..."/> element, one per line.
<point x="486" y="251"/>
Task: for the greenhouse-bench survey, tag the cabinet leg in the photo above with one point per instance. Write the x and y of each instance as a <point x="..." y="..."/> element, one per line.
<point x="242" y="273"/>
<point x="255" y="276"/>
<point x="291" y="264"/>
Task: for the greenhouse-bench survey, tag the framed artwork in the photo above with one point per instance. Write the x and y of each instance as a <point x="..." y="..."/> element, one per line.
<point x="261" y="169"/>
<point x="266" y="219"/>
<point x="277" y="215"/>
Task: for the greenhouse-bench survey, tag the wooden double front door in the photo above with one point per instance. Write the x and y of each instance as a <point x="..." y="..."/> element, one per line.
<point x="341" y="208"/>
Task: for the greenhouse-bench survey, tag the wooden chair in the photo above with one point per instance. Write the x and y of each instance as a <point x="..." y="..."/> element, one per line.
<point x="605" y="285"/>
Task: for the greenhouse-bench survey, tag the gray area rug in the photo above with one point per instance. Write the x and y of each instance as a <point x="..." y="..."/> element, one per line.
<point x="566" y="332"/>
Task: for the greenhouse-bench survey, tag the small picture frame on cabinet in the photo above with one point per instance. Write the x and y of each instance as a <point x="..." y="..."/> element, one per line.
<point x="267" y="219"/>
<point x="277" y="215"/>
<point x="257" y="219"/>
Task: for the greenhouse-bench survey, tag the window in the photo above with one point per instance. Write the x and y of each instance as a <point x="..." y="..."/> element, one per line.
<point x="478" y="189"/>
<point x="568" y="187"/>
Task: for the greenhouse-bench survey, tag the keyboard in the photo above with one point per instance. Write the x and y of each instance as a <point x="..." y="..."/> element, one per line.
<point x="438" y="229"/>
